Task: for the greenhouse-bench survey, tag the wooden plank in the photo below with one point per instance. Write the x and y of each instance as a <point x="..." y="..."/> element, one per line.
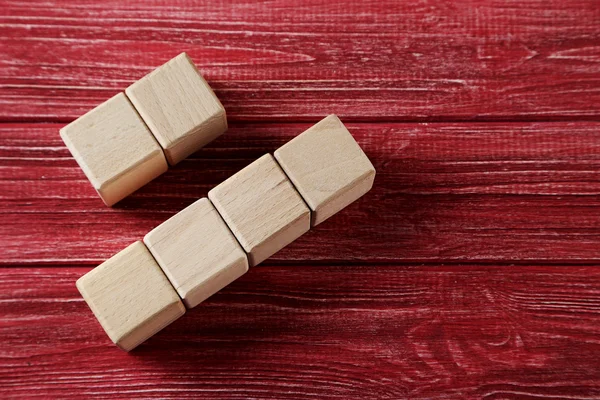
<point x="374" y="60"/>
<point x="502" y="192"/>
<point x="319" y="332"/>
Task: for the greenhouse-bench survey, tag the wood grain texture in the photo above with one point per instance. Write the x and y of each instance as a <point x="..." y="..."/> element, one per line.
<point x="115" y="149"/>
<point x="445" y="192"/>
<point x="349" y="317"/>
<point x="130" y="296"/>
<point x="197" y="252"/>
<point x="327" y="167"/>
<point x="362" y="60"/>
<point x="386" y="332"/>
<point x="179" y="108"/>
<point x="261" y="207"/>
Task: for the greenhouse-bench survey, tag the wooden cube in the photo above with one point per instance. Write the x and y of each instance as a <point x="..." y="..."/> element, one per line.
<point x="327" y="166"/>
<point x="262" y="208"/>
<point x="197" y="252"/>
<point x="115" y="149"/>
<point x="179" y="107"/>
<point x="130" y="296"/>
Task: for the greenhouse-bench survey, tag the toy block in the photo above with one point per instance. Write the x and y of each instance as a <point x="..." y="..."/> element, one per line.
<point x="130" y="296"/>
<point x="327" y="167"/>
<point x="179" y="107"/>
<point x="197" y="252"/>
<point x="262" y="208"/>
<point x="115" y="149"/>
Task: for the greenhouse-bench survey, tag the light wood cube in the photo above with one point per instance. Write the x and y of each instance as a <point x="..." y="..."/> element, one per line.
<point x="179" y="107"/>
<point x="262" y="208"/>
<point x="130" y="296"/>
<point x="197" y="252"/>
<point x="327" y="166"/>
<point x="115" y="149"/>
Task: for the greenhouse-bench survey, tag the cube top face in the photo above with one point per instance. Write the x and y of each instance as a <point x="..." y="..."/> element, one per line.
<point x="327" y="166"/>
<point x="262" y="208"/>
<point x="197" y="252"/>
<point x="130" y="296"/>
<point x="114" y="148"/>
<point x="178" y="105"/>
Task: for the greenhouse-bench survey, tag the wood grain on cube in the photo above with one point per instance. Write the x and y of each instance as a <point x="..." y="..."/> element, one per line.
<point x="179" y="107"/>
<point x="327" y="167"/>
<point x="130" y="296"/>
<point x="115" y="149"/>
<point x="197" y="252"/>
<point x="262" y="208"/>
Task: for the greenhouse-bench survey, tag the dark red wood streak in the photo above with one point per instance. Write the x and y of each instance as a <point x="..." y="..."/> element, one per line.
<point x="471" y="270"/>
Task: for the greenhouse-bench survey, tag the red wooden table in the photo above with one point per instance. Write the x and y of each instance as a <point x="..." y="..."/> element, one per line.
<point x="472" y="269"/>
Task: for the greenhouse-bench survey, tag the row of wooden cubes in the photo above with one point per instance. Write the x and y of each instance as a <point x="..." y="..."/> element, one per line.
<point x="127" y="141"/>
<point x="209" y="244"/>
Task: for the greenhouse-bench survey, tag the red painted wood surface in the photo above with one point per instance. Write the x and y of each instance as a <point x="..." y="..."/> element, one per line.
<point x="321" y="332"/>
<point x="493" y="192"/>
<point x="364" y="60"/>
<point x="471" y="270"/>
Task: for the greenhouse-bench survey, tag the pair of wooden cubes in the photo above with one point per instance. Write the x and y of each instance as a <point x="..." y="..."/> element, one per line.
<point x="208" y="245"/>
<point x="126" y="141"/>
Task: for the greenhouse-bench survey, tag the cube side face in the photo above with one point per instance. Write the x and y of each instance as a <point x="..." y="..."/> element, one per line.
<point x="349" y="196"/>
<point x="262" y="208"/>
<point x="178" y="105"/>
<point x="151" y="326"/>
<point x="285" y="236"/>
<point x="130" y="181"/>
<point x="197" y="252"/>
<point x="111" y="143"/>
<point x="206" y="133"/>
<point x="327" y="166"/>
<point x="227" y="273"/>
<point x="130" y="296"/>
